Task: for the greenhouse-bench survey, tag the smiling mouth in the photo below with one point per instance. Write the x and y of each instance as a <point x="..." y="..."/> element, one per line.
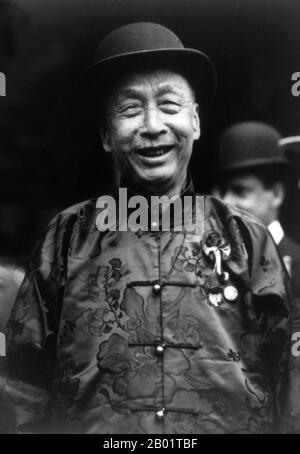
<point x="153" y="152"/>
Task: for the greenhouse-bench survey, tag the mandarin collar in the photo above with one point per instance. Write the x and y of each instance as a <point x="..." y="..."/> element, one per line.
<point x="187" y="189"/>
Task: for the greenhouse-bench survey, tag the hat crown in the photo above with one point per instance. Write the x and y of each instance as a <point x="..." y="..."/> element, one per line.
<point x="137" y="37"/>
<point x="249" y="144"/>
<point x="144" y="46"/>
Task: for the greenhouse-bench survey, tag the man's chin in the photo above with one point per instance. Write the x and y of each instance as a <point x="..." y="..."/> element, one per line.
<point x="156" y="181"/>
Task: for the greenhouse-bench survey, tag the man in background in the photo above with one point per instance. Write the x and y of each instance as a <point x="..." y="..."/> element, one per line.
<point x="255" y="176"/>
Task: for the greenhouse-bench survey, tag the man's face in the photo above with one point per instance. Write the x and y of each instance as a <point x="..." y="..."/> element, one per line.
<point x="248" y="192"/>
<point x="152" y="122"/>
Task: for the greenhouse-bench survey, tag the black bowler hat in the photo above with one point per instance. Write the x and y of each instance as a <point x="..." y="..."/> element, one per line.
<point x="249" y="145"/>
<point x="142" y="45"/>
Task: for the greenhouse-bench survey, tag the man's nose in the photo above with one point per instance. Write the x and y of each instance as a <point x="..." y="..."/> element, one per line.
<point x="153" y="123"/>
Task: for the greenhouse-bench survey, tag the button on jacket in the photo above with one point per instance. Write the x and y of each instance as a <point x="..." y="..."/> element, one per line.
<point x="135" y="332"/>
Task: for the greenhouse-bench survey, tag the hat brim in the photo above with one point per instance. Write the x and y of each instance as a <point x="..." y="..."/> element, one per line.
<point x="255" y="163"/>
<point x="190" y="63"/>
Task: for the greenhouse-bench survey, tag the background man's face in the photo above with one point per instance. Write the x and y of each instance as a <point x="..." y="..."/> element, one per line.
<point x="151" y="126"/>
<point x="248" y="192"/>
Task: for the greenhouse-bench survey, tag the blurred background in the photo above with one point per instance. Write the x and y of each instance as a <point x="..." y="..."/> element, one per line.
<point x="48" y="162"/>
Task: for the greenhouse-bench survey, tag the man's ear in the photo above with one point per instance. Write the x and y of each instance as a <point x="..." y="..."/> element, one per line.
<point x="279" y="194"/>
<point x="105" y="139"/>
<point x="197" y="129"/>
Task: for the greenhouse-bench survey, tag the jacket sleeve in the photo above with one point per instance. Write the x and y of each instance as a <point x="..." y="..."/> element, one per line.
<point x="276" y="312"/>
<point x="32" y="333"/>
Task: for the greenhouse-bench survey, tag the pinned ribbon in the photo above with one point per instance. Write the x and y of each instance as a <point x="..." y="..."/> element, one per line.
<point x="217" y="249"/>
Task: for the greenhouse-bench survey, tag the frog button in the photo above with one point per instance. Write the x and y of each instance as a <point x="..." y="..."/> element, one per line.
<point x="160" y="414"/>
<point x="159" y="349"/>
<point x="156" y="288"/>
<point x="230" y="293"/>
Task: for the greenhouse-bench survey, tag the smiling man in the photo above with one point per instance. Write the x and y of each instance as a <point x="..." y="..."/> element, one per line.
<point x="152" y="124"/>
<point x="156" y="331"/>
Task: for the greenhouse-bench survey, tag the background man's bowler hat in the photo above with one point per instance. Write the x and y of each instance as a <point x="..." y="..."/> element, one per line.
<point x="248" y="145"/>
<point x="143" y="45"/>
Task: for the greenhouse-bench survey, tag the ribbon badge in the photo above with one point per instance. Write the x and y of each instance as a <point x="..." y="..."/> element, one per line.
<point x="218" y="249"/>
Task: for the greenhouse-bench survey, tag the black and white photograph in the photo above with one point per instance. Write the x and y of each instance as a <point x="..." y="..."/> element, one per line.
<point x="149" y="219"/>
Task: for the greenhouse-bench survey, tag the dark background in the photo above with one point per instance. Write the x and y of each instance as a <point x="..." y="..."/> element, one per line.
<point x="48" y="163"/>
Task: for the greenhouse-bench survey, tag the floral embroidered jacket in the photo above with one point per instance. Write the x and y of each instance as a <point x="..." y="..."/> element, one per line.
<point x="144" y="332"/>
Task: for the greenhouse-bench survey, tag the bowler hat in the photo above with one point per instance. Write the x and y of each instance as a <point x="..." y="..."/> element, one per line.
<point x="248" y="145"/>
<point x="143" y="45"/>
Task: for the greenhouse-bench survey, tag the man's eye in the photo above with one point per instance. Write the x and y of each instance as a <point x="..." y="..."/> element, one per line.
<point x="131" y="109"/>
<point x="170" y="106"/>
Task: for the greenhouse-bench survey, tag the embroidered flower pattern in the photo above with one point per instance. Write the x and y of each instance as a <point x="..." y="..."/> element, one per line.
<point x="183" y="261"/>
<point x="234" y="356"/>
<point x="66" y="386"/>
<point x="102" y="284"/>
<point x="68" y="327"/>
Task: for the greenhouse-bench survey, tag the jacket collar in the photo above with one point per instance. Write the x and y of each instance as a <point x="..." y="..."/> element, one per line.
<point x="276" y="231"/>
<point x="187" y="189"/>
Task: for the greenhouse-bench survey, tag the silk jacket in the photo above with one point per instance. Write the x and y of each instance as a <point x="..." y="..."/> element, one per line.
<point x="137" y="332"/>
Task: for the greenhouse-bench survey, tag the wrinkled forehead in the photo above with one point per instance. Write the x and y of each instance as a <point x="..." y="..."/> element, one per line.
<point x="151" y="81"/>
